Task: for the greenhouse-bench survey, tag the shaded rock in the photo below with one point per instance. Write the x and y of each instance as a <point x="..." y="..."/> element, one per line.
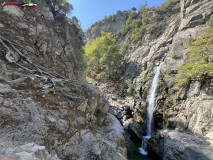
<point x="126" y="108"/>
<point x="134" y="131"/>
<point x="175" y="145"/>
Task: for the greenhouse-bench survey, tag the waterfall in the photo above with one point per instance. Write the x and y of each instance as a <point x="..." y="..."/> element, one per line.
<point x="151" y="107"/>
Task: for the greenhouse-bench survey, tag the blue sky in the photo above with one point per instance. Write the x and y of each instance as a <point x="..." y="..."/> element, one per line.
<point x="91" y="11"/>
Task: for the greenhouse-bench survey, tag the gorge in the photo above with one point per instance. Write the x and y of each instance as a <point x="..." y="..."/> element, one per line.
<point x="185" y="112"/>
<point x="137" y="81"/>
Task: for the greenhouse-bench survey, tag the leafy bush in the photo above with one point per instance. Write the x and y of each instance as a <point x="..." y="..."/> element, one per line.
<point x="177" y="55"/>
<point x="103" y="56"/>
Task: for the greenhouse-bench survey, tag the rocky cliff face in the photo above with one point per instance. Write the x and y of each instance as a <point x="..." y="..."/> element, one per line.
<point x="109" y="24"/>
<point x="47" y="111"/>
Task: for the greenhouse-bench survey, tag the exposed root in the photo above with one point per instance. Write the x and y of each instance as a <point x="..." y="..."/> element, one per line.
<point x="10" y="57"/>
<point x="71" y="96"/>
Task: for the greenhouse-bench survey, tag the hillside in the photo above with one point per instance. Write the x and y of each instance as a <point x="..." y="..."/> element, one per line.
<point x="177" y="33"/>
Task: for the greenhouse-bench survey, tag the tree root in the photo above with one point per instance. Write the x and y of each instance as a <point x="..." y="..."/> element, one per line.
<point x="9" y="54"/>
<point x="11" y="50"/>
<point x="71" y="96"/>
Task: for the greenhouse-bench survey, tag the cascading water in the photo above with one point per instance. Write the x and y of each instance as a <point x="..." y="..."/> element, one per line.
<point x="150" y="110"/>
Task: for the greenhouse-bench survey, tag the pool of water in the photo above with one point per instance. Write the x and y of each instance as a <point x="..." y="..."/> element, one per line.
<point x="133" y="152"/>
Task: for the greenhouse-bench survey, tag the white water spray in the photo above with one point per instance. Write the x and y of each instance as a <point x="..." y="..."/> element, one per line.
<point x="150" y="110"/>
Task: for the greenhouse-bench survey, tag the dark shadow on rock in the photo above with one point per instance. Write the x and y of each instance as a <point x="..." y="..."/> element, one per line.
<point x="133" y="69"/>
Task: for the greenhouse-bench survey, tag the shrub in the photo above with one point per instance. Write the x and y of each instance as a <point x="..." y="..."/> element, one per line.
<point x="130" y="87"/>
<point x="103" y="56"/>
<point x="177" y="55"/>
<point x="176" y="7"/>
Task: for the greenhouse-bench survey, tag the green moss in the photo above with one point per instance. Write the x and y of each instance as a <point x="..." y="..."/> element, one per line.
<point x="139" y="119"/>
<point x="76" y="90"/>
<point x="70" y="123"/>
<point x="166" y="111"/>
<point x="52" y="91"/>
<point x="14" y="83"/>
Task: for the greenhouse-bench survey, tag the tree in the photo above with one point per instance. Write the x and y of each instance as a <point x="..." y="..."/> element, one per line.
<point x="102" y="56"/>
<point x="143" y="7"/>
<point x="61" y="6"/>
<point x="133" y="9"/>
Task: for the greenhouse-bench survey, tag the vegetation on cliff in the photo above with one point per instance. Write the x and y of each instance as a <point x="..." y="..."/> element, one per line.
<point x="148" y="20"/>
<point x="199" y="65"/>
<point x="138" y="23"/>
<point x="103" y="57"/>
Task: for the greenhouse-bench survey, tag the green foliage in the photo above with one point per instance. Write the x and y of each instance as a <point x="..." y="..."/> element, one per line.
<point x="98" y="112"/>
<point x="166" y="111"/>
<point x="70" y="123"/>
<point x="198" y="67"/>
<point x="46" y="104"/>
<point x="103" y="56"/>
<point x="210" y="24"/>
<point x="168" y="71"/>
<point x="170" y="6"/>
<point x="177" y="55"/>
<point x="143" y="7"/>
<point x="210" y="21"/>
<point x="152" y="27"/>
<point x="52" y="91"/>
<point x="14" y="83"/>
<point x="133" y="9"/>
<point x="130" y="87"/>
<point x="176" y="7"/>
<point x="139" y="119"/>
<point x="54" y="106"/>
<point x="76" y="90"/>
